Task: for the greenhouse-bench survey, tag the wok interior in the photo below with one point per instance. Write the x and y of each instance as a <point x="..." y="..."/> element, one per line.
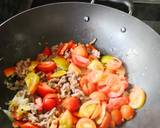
<point x="25" y="35"/>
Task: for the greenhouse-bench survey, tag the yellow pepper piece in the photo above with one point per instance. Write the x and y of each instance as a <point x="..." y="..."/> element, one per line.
<point x="33" y="65"/>
<point x="32" y="80"/>
<point x="61" y="63"/>
<point x="105" y="59"/>
<point x="59" y="73"/>
<point x="66" y="120"/>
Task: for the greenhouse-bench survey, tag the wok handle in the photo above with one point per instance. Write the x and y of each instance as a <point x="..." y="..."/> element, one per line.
<point x="128" y="3"/>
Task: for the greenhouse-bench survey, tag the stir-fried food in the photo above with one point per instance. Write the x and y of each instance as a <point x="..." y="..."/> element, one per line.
<point x="71" y="85"/>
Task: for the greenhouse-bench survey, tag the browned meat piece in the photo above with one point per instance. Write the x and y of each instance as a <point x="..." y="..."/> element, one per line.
<point x="22" y="68"/>
<point x="42" y="57"/>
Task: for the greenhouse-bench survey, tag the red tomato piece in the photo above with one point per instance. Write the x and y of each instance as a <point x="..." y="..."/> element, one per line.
<point x="106" y="121"/>
<point x="43" y="89"/>
<point x="46" y="66"/>
<point x="127" y="112"/>
<point x="17" y="124"/>
<point x="86" y="86"/>
<point x="114" y="64"/>
<point x="94" y="76"/>
<point x="47" y="51"/>
<point x="9" y="71"/>
<point x="64" y="48"/>
<point x="71" y="44"/>
<point x="50" y="101"/>
<point x="80" y="61"/>
<point x="116" y="93"/>
<point x="116" y="103"/>
<point x="29" y="125"/>
<point x="116" y="116"/>
<point x="71" y="103"/>
<point x="80" y="50"/>
<point x="39" y="103"/>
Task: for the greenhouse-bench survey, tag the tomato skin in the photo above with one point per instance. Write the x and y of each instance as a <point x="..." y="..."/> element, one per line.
<point x="116" y="116"/>
<point x="113" y="94"/>
<point x="9" y="71"/>
<point x="46" y="66"/>
<point x="106" y="121"/>
<point x="71" y="103"/>
<point x="127" y="112"/>
<point x="80" y="61"/>
<point x="17" y="124"/>
<point x="29" y="125"/>
<point x="85" y="121"/>
<point x="43" y="89"/>
<point x="116" y="103"/>
<point x="80" y="50"/>
<point x="99" y="96"/>
<point x="50" y="101"/>
<point x="47" y="51"/>
<point x="86" y="86"/>
<point x="39" y="104"/>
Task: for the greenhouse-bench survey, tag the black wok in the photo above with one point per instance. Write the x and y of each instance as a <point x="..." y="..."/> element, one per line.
<point x="118" y="34"/>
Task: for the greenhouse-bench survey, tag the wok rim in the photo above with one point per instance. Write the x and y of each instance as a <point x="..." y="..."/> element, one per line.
<point x="82" y="3"/>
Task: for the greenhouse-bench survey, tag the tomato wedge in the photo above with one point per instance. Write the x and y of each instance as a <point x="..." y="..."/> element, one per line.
<point x="106" y="121"/>
<point x="118" y="89"/>
<point x="80" y="61"/>
<point x="87" y="86"/>
<point x="111" y="62"/>
<point x="116" y="103"/>
<point x="29" y="125"/>
<point x="43" y="89"/>
<point x="80" y="50"/>
<point x="85" y="123"/>
<point x="47" y="51"/>
<point x="50" y="101"/>
<point x="116" y="116"/>
<point x="127" y="112"/>
<point x="137" y="97"/>
<point x="46" y="66"/>
<point x="9" y="71"/>
<point x="94" y="76"/>
<point x="71" y="103"/>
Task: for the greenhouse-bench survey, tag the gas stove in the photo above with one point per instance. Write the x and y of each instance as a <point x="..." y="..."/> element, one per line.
<point x="146" y="10"/>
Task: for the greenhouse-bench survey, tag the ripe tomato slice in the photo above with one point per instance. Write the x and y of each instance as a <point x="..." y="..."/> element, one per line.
<point x="116" y="116"/>
<point x="47" y="51"/>
<point x="71" y="103"/>
<point x="80" y="61"/>
<point x="9" y="71"/>
<point x="116" y="103"/>
<point x="106" y="121"/>
<point x="50" y="101"/>
<point x="46" y="66"/>
<point x="127" y="112"/>
<point x="29" y="125"/>
<point x="118" y="89"/>
<point x="80" y="50"/>
<point x="137" y="97"/>
<point x="85" y="123"/>
<point x="43" y="89"/>
<point x="87" y="86"/>
<point x="94" y="76"/>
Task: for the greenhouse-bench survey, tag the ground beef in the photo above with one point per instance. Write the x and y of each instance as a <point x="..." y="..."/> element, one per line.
<point x="42" y="57"/>
<point x="53" y="82"/>
<point x="22" y="68"/>
<point x="68" y="85"/>
<point x="42" y="76"/>
<point x="46" y="119"/>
